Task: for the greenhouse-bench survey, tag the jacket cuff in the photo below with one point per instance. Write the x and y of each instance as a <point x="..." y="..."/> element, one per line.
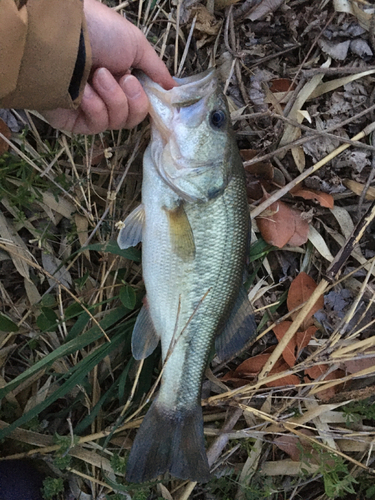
<point x="52" y="62"/>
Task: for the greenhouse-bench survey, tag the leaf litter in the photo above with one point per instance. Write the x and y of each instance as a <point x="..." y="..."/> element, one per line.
<point x="299" y="79"/>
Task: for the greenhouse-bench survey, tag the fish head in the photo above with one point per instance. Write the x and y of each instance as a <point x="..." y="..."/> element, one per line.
<point x="192" y="140"/>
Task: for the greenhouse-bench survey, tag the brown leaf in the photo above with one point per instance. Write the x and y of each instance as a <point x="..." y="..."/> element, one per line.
<point x="296" y="344"/>
<point x="289" y="351"/>
<point x="281" y="85"/>
<point x="301" y="231"/>
<point x="250" y="368"/>
<point x="260" y="176"/>
<point x="293" y="445"/>
<point x="248" y="154"/>
<point x="280" y="224"/>
<point x="324" y="199"/>
<point x="316" y="371"/>
<point x="234" y="380"/>
<point x="303" y="338"/>
<point x="357" y="365"/>
<point x="281" y="366"/>
<point x="4" y="129"/>
<point x="300" y="290"/>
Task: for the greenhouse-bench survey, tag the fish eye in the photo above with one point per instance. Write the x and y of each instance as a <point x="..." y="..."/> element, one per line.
<point x="218" y="118"/>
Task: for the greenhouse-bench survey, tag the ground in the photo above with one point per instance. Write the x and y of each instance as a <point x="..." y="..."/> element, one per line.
<point x="292" y="417"/>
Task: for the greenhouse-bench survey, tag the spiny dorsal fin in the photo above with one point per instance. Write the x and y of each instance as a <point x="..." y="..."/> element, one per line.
<point x="181" y="234"/>
<point x="131" y="233"/>
<point x="239" y="330"/>
<point x="144" y="338"/>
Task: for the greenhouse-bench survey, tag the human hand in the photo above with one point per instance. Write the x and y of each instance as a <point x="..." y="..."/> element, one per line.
<point x="113" y="98"/>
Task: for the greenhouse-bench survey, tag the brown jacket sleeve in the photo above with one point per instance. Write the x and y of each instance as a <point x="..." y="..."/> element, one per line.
<point x="39" y="46"/>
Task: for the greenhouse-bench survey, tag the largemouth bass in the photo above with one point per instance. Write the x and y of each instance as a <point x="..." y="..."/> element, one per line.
<point x="194" y="224"/>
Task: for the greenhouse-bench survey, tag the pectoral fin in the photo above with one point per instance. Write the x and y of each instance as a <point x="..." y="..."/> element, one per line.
<point x="144" y="338"/>
<point x="239" y="330"/>
<point x="181" y="234"/>
<point x="131" y="232"/>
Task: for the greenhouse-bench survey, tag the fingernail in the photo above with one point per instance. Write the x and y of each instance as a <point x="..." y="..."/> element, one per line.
<point x="131" y="86"/>
<point x="105" y="79"/>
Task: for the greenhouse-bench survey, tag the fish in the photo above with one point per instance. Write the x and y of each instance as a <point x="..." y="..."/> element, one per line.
<point x="194" y="226"/>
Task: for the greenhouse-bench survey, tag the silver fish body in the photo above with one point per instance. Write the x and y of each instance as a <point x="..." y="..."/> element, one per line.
<point x="194" y="224"/>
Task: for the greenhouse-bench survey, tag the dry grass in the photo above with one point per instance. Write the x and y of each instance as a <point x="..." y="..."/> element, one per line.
<point x="70" y="296"/>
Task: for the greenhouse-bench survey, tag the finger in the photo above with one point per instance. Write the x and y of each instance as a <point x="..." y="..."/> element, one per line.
<point x="148" y="61"/>
<point x="92" y="116"/>
<point x="153" y="66"/>
<point x="62" y="119"/>
<point x="138" y="103"/>
<point x="113" y="96"/>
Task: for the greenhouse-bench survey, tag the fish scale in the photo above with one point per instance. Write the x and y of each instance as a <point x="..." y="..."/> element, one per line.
<point x="194" y="224"/>
<point x="220" y="234"/>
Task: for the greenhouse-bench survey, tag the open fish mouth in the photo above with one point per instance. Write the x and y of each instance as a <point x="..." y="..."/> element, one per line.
<point x="164" y="103"/>
<point x="189" y="89"/>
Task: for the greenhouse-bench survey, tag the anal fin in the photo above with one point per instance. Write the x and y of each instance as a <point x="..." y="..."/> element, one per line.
<point x="144" y="338"/>
<point x="131" y="232"/>
<point x="239" y="330"/>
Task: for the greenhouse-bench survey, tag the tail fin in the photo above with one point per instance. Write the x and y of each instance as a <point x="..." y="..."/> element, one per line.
<point x="169" y="441"/>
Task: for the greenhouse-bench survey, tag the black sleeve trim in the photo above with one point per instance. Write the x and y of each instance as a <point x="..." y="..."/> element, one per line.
<point x="79" y="68"/>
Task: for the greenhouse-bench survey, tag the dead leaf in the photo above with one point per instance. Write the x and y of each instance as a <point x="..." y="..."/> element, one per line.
<point x="289" y="351"/>
<point x="280" y="367"/>
<point x="250" y="369"/>
<point x="82" y="230"/>
<point x="281" y="85"/>
<point x="264" y="8"/>
<point x="18" y="250"/>
<point x="206" y="23"/>
<point x="319" y="243"/>
<point x="296" y="344"/>
<point x="317" y="371"/>
<point x="301" y="289"/>
<point x="324" y="199"/>
<point x="364" y="18"/>
<point x="251" y="366"/>
<point x="279" y="92"/>
<point x="301" y="230"/>
<point x="55" y="268"/>
<point x="303" y="338"/>
<point x="293" y="445"/>
<point x="280" y="224"/>
<point x="261" y="176"/>
<point x="361" y="48"/>
<point x="358" y="364"/>
<point x="357" y="188"/>
<point x="221" y="4"/>
<point x="291" y="133"/>
<point x="4" y="129"/>
<point x="336" y="50"/>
